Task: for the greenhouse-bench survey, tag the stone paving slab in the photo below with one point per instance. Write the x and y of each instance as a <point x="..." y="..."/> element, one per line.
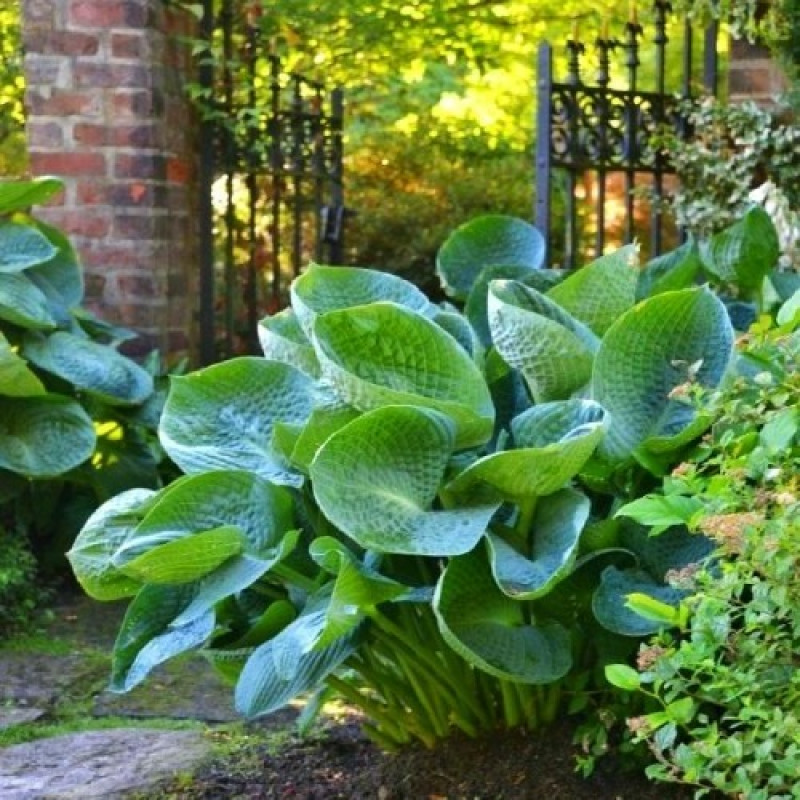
<point x="106" y="764"/>
<point x="11" y="716"/>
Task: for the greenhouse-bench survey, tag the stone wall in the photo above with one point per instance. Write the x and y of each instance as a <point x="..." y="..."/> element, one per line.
<point x="107" y="112"/>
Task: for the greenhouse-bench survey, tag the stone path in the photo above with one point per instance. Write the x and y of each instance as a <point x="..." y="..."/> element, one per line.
<point x="109" y="763"/>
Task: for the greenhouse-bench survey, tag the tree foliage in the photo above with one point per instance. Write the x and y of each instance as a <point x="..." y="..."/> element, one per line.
<point x="12" y="85"/>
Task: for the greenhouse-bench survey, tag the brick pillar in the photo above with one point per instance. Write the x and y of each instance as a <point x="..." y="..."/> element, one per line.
<point x="753" y="74"/>
<point x="107" y="112"/>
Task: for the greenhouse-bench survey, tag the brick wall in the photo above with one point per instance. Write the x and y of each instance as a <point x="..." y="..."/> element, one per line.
<point x="753" y="74"/>
<point x="107" y="113"/>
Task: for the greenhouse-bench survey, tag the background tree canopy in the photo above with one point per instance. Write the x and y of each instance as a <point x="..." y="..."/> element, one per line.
<point x="13" y="158"/>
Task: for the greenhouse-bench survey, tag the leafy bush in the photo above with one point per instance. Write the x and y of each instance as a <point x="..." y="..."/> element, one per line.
<point x="19" y="596"/>
<point x="726" y="686"/>
<point x="77" y="416"/>
<point x="410" y="505"/>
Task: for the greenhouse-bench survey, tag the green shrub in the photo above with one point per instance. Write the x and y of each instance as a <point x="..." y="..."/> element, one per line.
<point x="20" y="597"/>
<point x="77" y="416"/>
<point x="413" y="506"/>
<point x="726" y="685"/>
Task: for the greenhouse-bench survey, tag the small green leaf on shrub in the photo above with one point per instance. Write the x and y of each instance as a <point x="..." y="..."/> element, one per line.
<point x="661" y="511"/>
<point x="652" y="609"/>
<point x="623" y="677"/>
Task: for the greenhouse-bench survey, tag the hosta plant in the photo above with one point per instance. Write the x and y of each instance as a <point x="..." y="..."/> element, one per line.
<point x="409" y="505"/>
<point x="74" y="412"/>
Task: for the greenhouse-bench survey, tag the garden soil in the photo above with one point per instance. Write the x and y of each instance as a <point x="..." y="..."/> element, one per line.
<point x="266" y="759"/>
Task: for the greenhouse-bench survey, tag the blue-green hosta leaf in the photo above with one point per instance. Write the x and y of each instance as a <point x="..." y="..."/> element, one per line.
<point x="147" y="636"/>
<point x="673" y="549"/>
<point x="664" y="342"/>
<point x="259" y="510"/>
<point x="322" y="289"/>
<point x="289" y="664"/>
<point x="383" y="354"/>
<point x="458" y="327"/>
<point x="282" y="339"/>
<point x="602" y="291"/>
<point x="609" y="602"/>
<point x="230" y="578"/>
<point x="101" y="536"/>
<point x="488" y="630"/>
<point x="357" y="589"/>
<point x="490" y="240"/>
<point x="60" y="279"/>
<point x="44" y="436"/>
<point x="321" y="425"/>
<point x="19" y="195"/>
<point x="222" y="417"/>
<point x="22" y="247"/>
<point x="556" y="533"/>
<point x="745" y="252"/>
<point x="21" y="303"/>
<point x="670" y="272"/>
<point x="552" y="442"/>
<point x="377" y="477"/>
<point x="533" y="334"/>
<point x="186" y="559"/>
<point x="94" y="368"/>
<point x="16" y="380"/>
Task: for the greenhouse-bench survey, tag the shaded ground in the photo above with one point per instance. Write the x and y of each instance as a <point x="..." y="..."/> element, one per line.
<point x="64" y="686"/>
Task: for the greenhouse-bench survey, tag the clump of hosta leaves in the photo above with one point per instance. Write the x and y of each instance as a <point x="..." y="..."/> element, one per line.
<point x="409" y="504"/>
<point x="74" y="412"/>
<point x="725" y="685"/>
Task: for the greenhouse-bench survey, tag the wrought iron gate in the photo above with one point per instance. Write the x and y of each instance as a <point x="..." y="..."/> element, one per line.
<point x="272" y="161"/>
<point x="589" y="130"/>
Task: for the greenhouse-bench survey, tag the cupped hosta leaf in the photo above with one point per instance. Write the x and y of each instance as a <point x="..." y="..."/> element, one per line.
<point x="102" y="534"/>
<point x="321" y="425"/>
<point x="289" y="664"/>
<point x="670" y="272"/>
<point x="16" y="380"/>
<point x="186" y="559"/>
<point x="222" y="417"/>
<point x="745" y="252"/>
<point x="44" y="436"/>
<point x="60" y="279"/>
<point x="664" y="342"/>
<point x="357" y="589"/>
<point x="673" y="549"/>
<point x="22" y="246"/>
<point x="609" y="602"/>
<point x="21" y="195"/>
<point x="475" y="307"/>
<point x="231" y="577"/>
<point x="488" y="629"/>
<point x="377" y="477"/>
<point x="282" y="339"/>
<point x="551" y="441"/>
<point x="551" y="349"/>
<point x="21" y="303"/>
<point x="259" y="510"/>
<point x="555" y="535"/>
<point x="383" y="354"/>
<point x="322" y="289"/>
<point x="490" y="240"/>
<point x="602" y="291"/>
<point x="148" y="637"/>
<point x="94" y="368"/>
<point x="458" y="327"/>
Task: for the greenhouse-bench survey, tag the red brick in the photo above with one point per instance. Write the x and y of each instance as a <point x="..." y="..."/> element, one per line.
<point x="139" y="136"/>
<point x="92" y="192"/>
<point x="140" y="165"/>
<point x="67" y="164"/>
<point x="91" y="135"/>
<point x="56" y="42"/>
<point x="45" y="134"/>
<point x="78" y="222"/>
<point x="142" y="103"/>
<point x="139" y="286"/>
<point x="178" y="170"/>
<point x="108" y="13"/>
<point x="88" y="74"/>
<point x="136" y="194"/>
<point x="135" y="226"/>
<point x="64" y="103"/>
<point x="129" y="45"/>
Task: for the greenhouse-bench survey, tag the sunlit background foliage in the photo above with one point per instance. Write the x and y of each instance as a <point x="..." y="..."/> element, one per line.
<point x="13" y="156"/>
